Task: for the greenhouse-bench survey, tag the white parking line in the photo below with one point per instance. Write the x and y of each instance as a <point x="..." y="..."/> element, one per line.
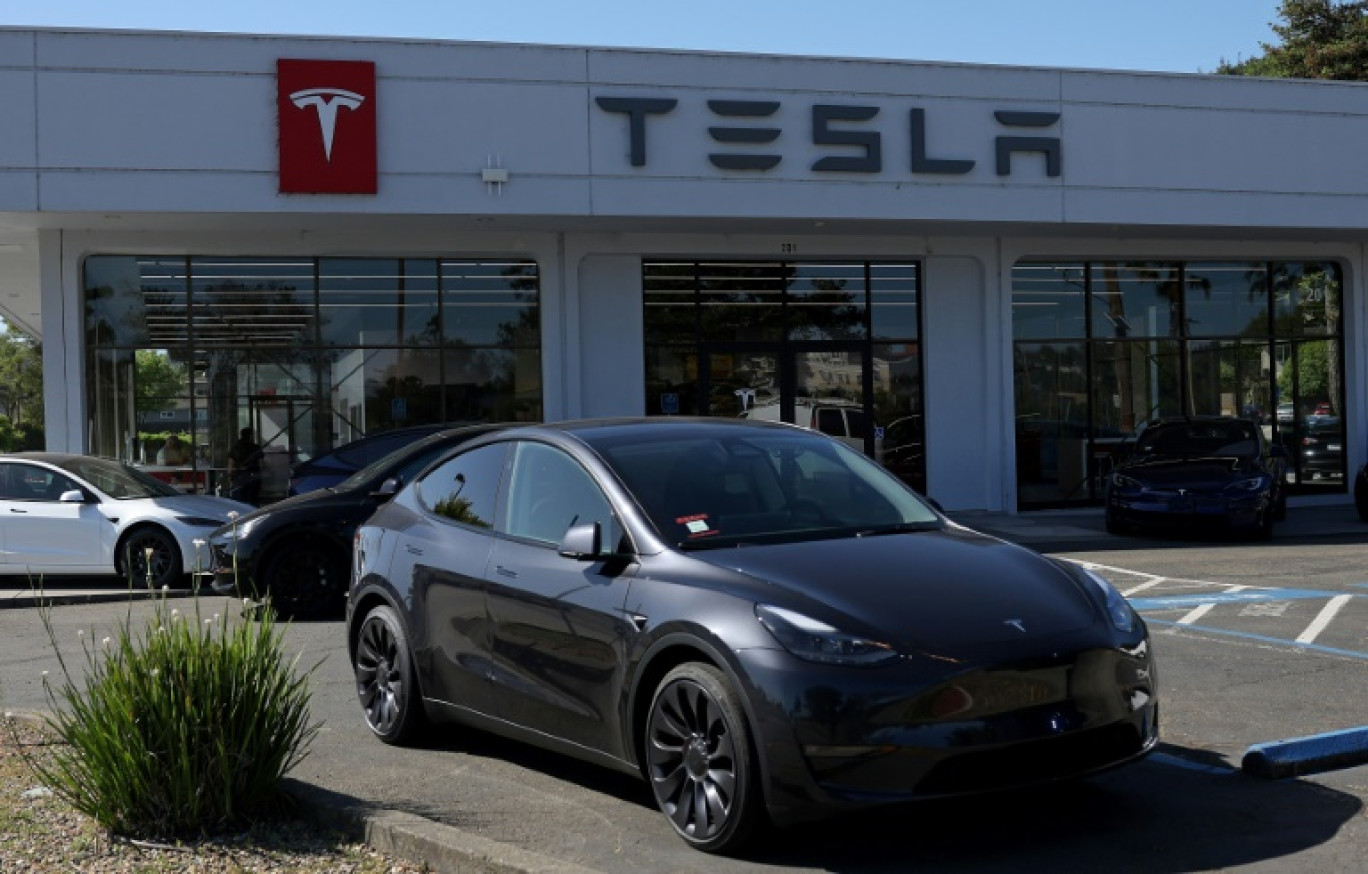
<point x="1202" y="609"/>
<point x="1323" y="619"/>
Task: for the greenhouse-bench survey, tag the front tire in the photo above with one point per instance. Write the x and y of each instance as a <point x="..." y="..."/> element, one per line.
<point x="699" y="759"/>
<point x="306" y="579"/>
<point x="151" y="556"/>
<point x="385" y="679"/>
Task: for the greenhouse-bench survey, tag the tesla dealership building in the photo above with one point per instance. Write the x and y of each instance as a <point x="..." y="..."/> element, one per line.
<point x="985" y="276"/>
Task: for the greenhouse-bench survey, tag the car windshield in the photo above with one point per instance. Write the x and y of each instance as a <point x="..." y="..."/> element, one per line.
<point x="708" y="488"/>
<point x="1199" y="439"/>
<point x="118" y="481"/>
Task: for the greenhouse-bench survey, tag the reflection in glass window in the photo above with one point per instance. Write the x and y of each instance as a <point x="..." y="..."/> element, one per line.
<point x="378" y="301"/>
<point x="463" y="489"/>
<point x="826" y="302"/>
<point x="1136" y="299"/>
<point x="1257" y="340"/>
<point x="1049" y="301"/>
<point x="1227" y="300"/>
<point x="309" y="353"/>
<point x="242" y="302"/>
<point x="549" y="492"/>
<point x="724" y="338"/>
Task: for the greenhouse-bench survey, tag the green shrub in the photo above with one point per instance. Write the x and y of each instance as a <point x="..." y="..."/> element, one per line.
<point x="184" y="728"/>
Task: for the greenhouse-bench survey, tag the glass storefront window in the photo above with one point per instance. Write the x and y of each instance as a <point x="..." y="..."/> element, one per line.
<point x="894" y="301"/>
<point x="741" y="302"/>
<point x="241" y="302"/>
<point x="1258" y="340"/>
<point x="826" y="302"/>
<point x="377" y="301"/>
<point x="1134" y="299"/>
<point x="310" y="353"/>
<point x="791" y="341"/>
<point x="1048" y="301"/>
<point x="1226" y="300"/>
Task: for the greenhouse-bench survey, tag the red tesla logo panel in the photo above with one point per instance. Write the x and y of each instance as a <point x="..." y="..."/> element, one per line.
<point x="326" y="111"/>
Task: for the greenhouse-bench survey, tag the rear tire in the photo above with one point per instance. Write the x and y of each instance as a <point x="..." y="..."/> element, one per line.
<point x="385" y="680"/>
<point x="700" y="760"/>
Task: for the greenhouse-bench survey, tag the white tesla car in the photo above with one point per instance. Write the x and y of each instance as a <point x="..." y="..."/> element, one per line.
<point x="66" y="514"/>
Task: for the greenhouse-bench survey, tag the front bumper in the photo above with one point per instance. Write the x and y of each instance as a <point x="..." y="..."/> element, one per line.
<point x="853" y="737"/>
<point x="1204" y="510"/>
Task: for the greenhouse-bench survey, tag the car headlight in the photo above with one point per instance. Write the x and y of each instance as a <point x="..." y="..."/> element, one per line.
<point x="815" y="641"/>
<point x="1252" y="484"/>
<point x="1119" y="610"/>
<point x="199" y="521"/>
<point x="1121" y="481"/>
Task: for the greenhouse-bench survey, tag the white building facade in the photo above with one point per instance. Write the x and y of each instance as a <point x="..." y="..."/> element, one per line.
<point x="985" y="275"/>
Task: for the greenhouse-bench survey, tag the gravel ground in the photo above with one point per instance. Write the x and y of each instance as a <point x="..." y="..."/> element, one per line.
<point x="40" y="833"/>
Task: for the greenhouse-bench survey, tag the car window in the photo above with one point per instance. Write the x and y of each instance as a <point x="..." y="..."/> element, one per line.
<point x="29" y="482"/>
<point x="1199" y="439"/>
<point x="549" y="491"/>
<point x="829" y="421"/>
<point x="464" y="488"/>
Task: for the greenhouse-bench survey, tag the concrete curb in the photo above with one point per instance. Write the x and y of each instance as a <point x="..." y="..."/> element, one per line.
<point x="26" y="598"/>
<point x="1296" y="757"/>
<point x="443" y="848"/>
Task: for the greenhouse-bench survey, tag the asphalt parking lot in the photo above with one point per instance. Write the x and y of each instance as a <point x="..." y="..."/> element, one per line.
<point x="1256" y="643"/>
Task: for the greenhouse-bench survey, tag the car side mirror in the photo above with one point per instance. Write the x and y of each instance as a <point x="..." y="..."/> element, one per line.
<point x="73" y="496"/>
<point x="389" y="488"/>
<point x="582" y="542"/>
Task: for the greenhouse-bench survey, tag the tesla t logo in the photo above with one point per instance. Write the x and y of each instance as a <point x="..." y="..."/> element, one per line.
<point x="326" y="112"/>
<point x="327" y="101"/>
<point x="1016" y="623"/>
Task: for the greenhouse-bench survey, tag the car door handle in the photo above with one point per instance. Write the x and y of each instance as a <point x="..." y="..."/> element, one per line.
<point x="19" y="510"/>
<point x="505" y="572"/>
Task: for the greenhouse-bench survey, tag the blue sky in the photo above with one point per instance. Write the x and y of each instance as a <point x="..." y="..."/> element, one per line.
<point x="1189" y="36"/>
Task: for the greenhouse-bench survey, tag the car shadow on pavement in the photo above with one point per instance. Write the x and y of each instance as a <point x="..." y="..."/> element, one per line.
<point x="1155" y="816"/>
<point x="1181" y="810"/>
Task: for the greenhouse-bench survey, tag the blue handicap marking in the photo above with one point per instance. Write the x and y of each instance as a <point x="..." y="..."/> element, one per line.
<point x="1249" y="596"/>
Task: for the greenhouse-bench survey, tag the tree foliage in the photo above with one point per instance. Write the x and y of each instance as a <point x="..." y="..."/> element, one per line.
<point x="1321" y="39"/>
<point x="160" y="380"/>
<point x="21" y="391"/>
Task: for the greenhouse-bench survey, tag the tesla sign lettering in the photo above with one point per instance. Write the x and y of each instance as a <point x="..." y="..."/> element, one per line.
<point x="743" y="133"/>
<point x="326" y="112"/>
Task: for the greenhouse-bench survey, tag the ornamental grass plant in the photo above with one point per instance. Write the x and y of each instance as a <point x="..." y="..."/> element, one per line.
<point x="181" y="728"/>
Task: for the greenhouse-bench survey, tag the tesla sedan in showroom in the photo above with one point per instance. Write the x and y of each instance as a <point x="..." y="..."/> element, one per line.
<point x="298" y="551"/>
<point x="74" y="515"/>
<point x="1199" y="472"/>
<point x="758" y="620"/>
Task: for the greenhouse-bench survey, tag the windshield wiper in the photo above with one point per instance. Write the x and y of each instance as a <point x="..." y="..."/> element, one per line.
<point x="900" y="528"/>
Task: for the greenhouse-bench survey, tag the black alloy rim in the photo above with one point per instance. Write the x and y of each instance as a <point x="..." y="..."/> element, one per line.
<point x="692" y="760"/>
<point x="149" y="558"/>
<point x="379" y="682"/>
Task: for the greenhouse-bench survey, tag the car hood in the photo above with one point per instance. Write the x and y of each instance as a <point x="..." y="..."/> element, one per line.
<point x="206" y="506"/>
<point x="1195" y="472"/>
<point x="941" y="590"/>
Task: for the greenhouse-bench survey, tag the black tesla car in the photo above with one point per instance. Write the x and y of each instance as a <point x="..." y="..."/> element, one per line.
<point x="755" y="618"/>
<point x="298" y="551"/>
<point x="1201" y="472"/>
<point x="333" y="467"/>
